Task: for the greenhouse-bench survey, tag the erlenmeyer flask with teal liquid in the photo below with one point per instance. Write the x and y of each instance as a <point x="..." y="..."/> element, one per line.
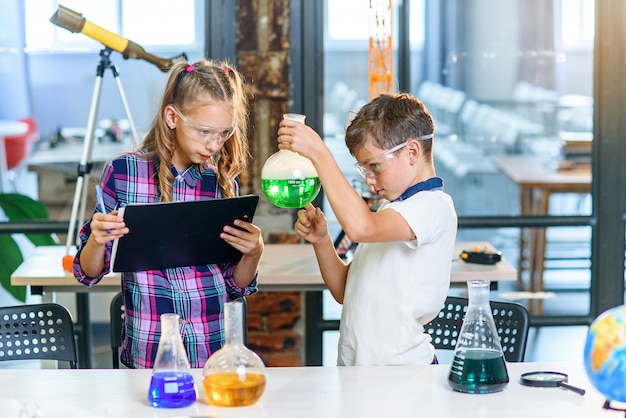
<point x="288" y="179"/>
<point x="478" y="365"/>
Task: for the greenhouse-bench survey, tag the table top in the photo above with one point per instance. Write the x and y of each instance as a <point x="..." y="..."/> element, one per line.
<point x="533" y="171"/>
<point x="303" y="392"/>
<point x="72" y="152"/>
<point x="283" y="267"/>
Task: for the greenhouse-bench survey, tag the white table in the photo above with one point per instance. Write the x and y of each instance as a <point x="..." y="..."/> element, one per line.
<point x="310" y="392"/>
<point x="71" y="153"/>
<point x="283" y="267"/>
<point x="8" y="128"/>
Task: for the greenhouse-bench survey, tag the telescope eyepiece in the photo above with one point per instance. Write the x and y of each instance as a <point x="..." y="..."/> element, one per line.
<point x="68" y="19"/>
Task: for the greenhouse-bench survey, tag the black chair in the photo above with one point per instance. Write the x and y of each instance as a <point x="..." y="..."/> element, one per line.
<point x="117" y="322"/>
<point x="42" y="331"/>
<point x="512" y="323"/>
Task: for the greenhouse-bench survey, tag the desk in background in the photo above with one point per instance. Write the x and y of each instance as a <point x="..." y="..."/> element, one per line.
<point x="56" y="167"/>
<point x="283" y="267"/>
<point x="537" y="181"/>
<point x="310" y="392"/>
<point x="71" y="153"/>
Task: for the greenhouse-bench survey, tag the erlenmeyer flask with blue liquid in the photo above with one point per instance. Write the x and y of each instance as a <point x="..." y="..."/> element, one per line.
<point x="172" y="384"/>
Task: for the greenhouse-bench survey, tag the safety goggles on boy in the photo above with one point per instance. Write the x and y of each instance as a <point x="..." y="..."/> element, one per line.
<point x="371" y="167"/>
<point x="206" y="134"/>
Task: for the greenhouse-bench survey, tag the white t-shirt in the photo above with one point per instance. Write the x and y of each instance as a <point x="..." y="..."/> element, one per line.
<point x="394" y="288"/>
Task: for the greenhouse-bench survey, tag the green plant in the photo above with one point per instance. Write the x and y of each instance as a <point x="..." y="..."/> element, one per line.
<point x="18" y="207"/>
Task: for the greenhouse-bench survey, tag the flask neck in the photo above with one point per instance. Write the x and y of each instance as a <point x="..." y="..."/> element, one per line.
<point x="478" y="292"/>
<point x="169" y="325"/>
<point x="171" y="354"/>
<point x="233" y="320"/>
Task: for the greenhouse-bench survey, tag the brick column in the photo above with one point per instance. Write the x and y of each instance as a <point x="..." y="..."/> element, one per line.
<point x="263" y="47"/>
<point x="271" y="320"/>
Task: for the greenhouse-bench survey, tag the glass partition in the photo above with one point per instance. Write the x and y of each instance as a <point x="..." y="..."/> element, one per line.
<point x="513" y="111"/>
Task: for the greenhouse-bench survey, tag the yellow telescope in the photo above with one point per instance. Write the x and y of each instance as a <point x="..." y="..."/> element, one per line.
<point x="75" y="22"/>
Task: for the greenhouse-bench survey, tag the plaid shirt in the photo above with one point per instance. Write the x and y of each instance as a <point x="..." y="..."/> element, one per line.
<point x="196" y="293"/>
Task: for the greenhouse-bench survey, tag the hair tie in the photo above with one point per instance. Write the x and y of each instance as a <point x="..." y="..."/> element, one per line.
<point x="226" y="69"/>
<point x="190" y="68"/>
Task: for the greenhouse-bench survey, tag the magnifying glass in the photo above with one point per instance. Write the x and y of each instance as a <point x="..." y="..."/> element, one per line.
<point x="544" y="379"/>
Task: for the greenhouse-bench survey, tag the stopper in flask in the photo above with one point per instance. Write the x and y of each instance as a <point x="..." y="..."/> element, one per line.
<point x="295" y="116"/>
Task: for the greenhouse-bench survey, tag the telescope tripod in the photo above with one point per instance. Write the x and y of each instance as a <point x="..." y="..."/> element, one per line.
<point x="85" y="165"/>
<point x="80" y="195"/>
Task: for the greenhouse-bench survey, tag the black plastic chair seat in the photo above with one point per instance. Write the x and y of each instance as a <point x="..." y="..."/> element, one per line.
<point x="512" y="324"/>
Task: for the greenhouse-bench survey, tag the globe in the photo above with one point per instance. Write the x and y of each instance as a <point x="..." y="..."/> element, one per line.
<point x="605" y="353"/>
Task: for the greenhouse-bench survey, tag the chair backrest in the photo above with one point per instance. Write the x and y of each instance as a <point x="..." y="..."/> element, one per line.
<point x="512" y="323"/>
<point x="116" y="313"/>
<point x="42" y="331"/>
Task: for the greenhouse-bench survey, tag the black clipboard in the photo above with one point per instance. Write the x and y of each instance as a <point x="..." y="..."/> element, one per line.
<point x="177" y="234"/>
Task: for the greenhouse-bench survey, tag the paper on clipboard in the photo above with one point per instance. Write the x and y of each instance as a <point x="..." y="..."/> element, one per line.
<point x="177" y="234"/>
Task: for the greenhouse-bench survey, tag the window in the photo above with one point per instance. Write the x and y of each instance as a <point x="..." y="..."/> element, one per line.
<point x="577" y="23"/>
<point x="346" y="79"/>
<point x="356" y="28"/>
<point x="157" y="24"/>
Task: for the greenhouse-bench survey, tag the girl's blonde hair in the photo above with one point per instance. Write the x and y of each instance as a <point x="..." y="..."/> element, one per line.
<point x="187" y="82"/>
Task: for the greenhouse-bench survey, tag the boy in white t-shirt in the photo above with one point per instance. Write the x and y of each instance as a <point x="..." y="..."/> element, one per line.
<point x="399" y="276"/>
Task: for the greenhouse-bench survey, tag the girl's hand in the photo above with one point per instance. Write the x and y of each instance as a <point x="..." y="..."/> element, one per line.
<point x="107" y="227"/>
<point x="246" y="237"/>
<point x="311" y="224"/>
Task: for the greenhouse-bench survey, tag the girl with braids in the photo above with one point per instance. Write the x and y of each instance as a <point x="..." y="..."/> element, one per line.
<point x="195" y="149"/>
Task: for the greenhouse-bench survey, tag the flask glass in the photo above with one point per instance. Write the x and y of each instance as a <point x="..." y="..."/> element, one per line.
<point x="234" y="375"/>
<point x="478" y="364"/>
<point x="171" y="385"/>
<point x="288" y="179"/>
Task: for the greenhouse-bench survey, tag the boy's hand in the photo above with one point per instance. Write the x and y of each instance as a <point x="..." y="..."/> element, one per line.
<point x="300" y="138"/>
<point x="311" y="224"/>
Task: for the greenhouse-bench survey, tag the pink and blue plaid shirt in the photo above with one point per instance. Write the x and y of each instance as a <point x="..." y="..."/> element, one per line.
<point x="196" y="293"/>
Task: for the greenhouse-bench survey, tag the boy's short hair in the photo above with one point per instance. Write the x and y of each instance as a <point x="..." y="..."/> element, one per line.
<point x="389" y="120"/>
